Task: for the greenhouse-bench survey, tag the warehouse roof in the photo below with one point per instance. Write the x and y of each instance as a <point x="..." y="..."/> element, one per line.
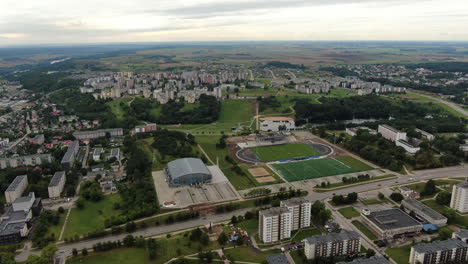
<point x="423" y="208"/>
<point x="439" y="245"/>
<point x="56" y="178"/>
<point x="15" y="183"/>
<point x="319" y="239"/>
<point x="392" y="219"/>
<point x="186" y="166"/>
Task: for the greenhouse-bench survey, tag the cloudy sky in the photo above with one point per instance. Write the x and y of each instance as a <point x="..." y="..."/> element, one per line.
<point x="92" y="21"/>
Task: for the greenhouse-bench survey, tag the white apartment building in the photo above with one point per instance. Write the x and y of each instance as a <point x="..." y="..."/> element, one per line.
<point x="275" y="123"/>
<point x="56" y="184"/>
<point x="407" y="146"/>
<point x="441" y="251"/>
<point x="333" y="244"/>
<point x="425" y="134"/>
<point x="300" y="210"/>
<point x="16" y="188"/>
<point x="275" y="224"/>
<point x="391" y="133"/>
<point x="459" y="200"/>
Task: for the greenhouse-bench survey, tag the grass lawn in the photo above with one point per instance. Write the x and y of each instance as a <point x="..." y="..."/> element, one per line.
<point x="240" y="182"/>
<point x="305" y="233"/>
<point x="374" y="201"/>
<point x="400" y="254"/>
<point x="91" y="217"/>
<point x="359" y="225"/>
<point x="249" y="255"/>
<point x="250" y="226"/>
<point x="314" y="168"/>
<point x="355" y="164"/>
<point x="56" y="229"/>
<point x="116" y="108"/>
<point x="236" y="111"/>
<point x="349" y="212"/>
<point x="297" y="256"/>
<point x="419" y="187"/>
<point x="279" y="152"/>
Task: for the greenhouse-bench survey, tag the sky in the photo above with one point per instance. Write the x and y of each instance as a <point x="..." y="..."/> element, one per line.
<point x="26" y="22"/>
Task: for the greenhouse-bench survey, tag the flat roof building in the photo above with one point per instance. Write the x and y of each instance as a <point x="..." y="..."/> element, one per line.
<point x="300" y="209"/>
<point x="391" y="133"/>
<point x="439" y="251"/>
<point x="56" y="185"/>
<point x="424" y="212"/>
<point x="407" y="146"/>
<point x="16" y="188"/>
<point x="277" y="123"/>
<point x="333" y="244"/>
<point x="91" y="134"/>
<point x="97" y="154"/>
<point x="391" y="223"/>
<point x="69" y="158"/>
<point x="459" y="199"/>
<point x="425" y="134"/>
<point x="274" y="224"/>
<point x="29" y="160"/>
<point x="461" y="234"/>
<point x="187" y="171"/>
<point x="277" y="259"/>
<point x="371" y="260"/>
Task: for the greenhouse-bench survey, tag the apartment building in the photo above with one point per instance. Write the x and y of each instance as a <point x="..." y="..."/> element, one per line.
<point x="459" y="200"/>
<point x="333" y="244"/>
<point x="391" y="133"/>
<point x="56" y="184"/>
<point x="407" y="146"/>
<point x="461" y="234"/>
<point x="300" y="210"/>
<point x="16" y="188"/>
<point x="424" y="212"/>
<point x="275" y="224"/>
<point x="425" y="134"/>
<point x="69" y="158"/>
<point x="440" y="251"/>
<point x="113" y="132"/>
<point x="30" y="160"/>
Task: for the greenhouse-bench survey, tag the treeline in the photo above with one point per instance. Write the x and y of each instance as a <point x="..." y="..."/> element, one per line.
<point x="39" y="236"/>
<point x="268" y="102"/>
<point x="285" y="65"/>
<point x="454" y="66"/>
<point x="342" y="72"/>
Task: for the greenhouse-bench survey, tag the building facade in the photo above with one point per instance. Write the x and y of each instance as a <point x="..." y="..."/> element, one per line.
<point x="459" y="200"/>
<point x="56" y="184"/>
<point x="440" y="251"/>
<point x="16" y="188"/>
<point x="30" y="160"/>
<point x="274" y="224"/>
<point x="391" y="133"/>
<point x="424" y="212"/>
<point x="300" y="210"/>
<point x="69" y="158"/>
<point x="91" y="134"/>
<point x="333" y="244"/>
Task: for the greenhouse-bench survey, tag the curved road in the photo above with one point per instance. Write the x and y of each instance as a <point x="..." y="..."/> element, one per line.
<point x="448" y="103"/>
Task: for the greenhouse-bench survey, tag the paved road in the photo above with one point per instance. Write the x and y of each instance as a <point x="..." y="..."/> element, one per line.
<point x="448" y="103"/>
<point x="458" y="171"/>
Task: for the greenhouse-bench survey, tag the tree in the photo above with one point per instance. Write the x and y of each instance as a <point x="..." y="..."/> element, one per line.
<point x="443" y="198"/>
<point x="75" y="252"/>
<point x="196" y="234"/>
<point x="370" y="253"/>
<point x="151" y="246"/>
<point x="222" y="238"/>
<point x="204" y="239"/>
<point x="48" y="252"/>
<point x="129" y="241"/>
<point x="234" y="219"/>
<point x="397" y="197"/>
<point x="450" y="213"/>
<point x="320" y="214"/>
<point x="381" y="196"/>
<point x="445" y="233"/>
<point x="429" y="188"/>
<point x="84" y="252"/>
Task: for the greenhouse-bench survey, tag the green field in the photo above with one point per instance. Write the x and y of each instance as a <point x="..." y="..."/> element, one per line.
<point x="349" y="212"/>
<point x="355" y="164"/>
<point x="288" y="151"/>
<point x="91" y="217"/>
<point x="236" y="111"/>
<point x="400" y="255"/>
<point x="359" y="225"/>
<point x="247" y="254"/>
<point x="305" y="233"/>
<point x="116" y="108"/>
<point x="317" y="168"/>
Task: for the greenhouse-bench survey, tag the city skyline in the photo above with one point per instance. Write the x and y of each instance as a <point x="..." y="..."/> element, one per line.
<point x="105" y="21"/>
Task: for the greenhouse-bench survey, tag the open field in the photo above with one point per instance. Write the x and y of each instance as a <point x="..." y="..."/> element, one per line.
<point x="316" y="168"/>
<point x="340" y="185"/>
<point x="249" y="255"/>
<point x="359" y="225"/>
<point x="116" y="108"/>
<point x="349" y="212"/>
<point x="91" y="217"/>
<point x="399" y="254"/>
<point x="305" y="233"/>
<point x="287" y="151"/>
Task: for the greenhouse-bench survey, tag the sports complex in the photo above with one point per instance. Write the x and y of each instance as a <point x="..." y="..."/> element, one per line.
<point x="299" y="160"/>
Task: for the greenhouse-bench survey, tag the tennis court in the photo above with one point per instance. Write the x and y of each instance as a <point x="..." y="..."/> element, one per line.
<point x="311" y="169"/>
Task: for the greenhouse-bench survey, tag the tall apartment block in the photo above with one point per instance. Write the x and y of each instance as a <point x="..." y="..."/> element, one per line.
<point x="333" y="244"/>
<point x="16" y="188"/>
<point x="300" y="210"/>
<point x="441" y="251"/>
<point x="275" y="224"/>
<point x="391" y="133"/>
<point x="459" y="200"/>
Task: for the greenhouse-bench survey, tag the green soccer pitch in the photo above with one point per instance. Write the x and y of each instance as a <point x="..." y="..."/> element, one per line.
<point x="287" y="151"/>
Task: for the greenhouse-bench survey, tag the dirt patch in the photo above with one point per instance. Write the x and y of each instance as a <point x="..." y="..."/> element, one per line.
<point x="265" y="179"/>
<point x="259" y="172"/>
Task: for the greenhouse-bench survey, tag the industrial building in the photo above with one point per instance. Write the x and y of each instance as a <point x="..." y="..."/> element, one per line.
<point x="391" y="223"/>
<point x="459" y="199"/>
<point x="300" y="210"/>
<point x="439" y="251"/>
<point x="15" y="223"/>
<point x="91" y="134"/>
<point x="187" y="171"/>
<point x="69" y="158"/>
<point x="371" y="260"/>
<point x="274" y="224"/>
<point x="277" y="123"/>
<point x="424" y="212"/>
<point x="352" y="131"/>
<point x="333" y="244"/>
<point x="391" y="133"/>
<point x="56" y="184"/>
<point x="16" y="188"/>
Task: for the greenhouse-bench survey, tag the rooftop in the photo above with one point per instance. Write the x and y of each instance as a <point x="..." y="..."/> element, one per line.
<point x="319" y="239"/>
<point x="392" y="219"/>
<point x="424" y="208"/>
<point x="70" y="151"/>
<point x="463" y="185"/>
<point x="391" y="128"/>
<point x="277" y="259"/>
<point x="462" y="233"/>
<point x="56" y="178"/>
<point x="371" y="260"/>
<point x="15" y="183"/>
<point x="181" y="167"/>
<point x="439" y="245"/>
<point x="295" y="201"/>
<point x="274" y="211"/>
<point x="12" y="221"/>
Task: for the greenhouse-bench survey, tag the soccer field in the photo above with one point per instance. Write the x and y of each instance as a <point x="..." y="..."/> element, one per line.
<point x="288" y="151"/>
<point x="315" y="168"/>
